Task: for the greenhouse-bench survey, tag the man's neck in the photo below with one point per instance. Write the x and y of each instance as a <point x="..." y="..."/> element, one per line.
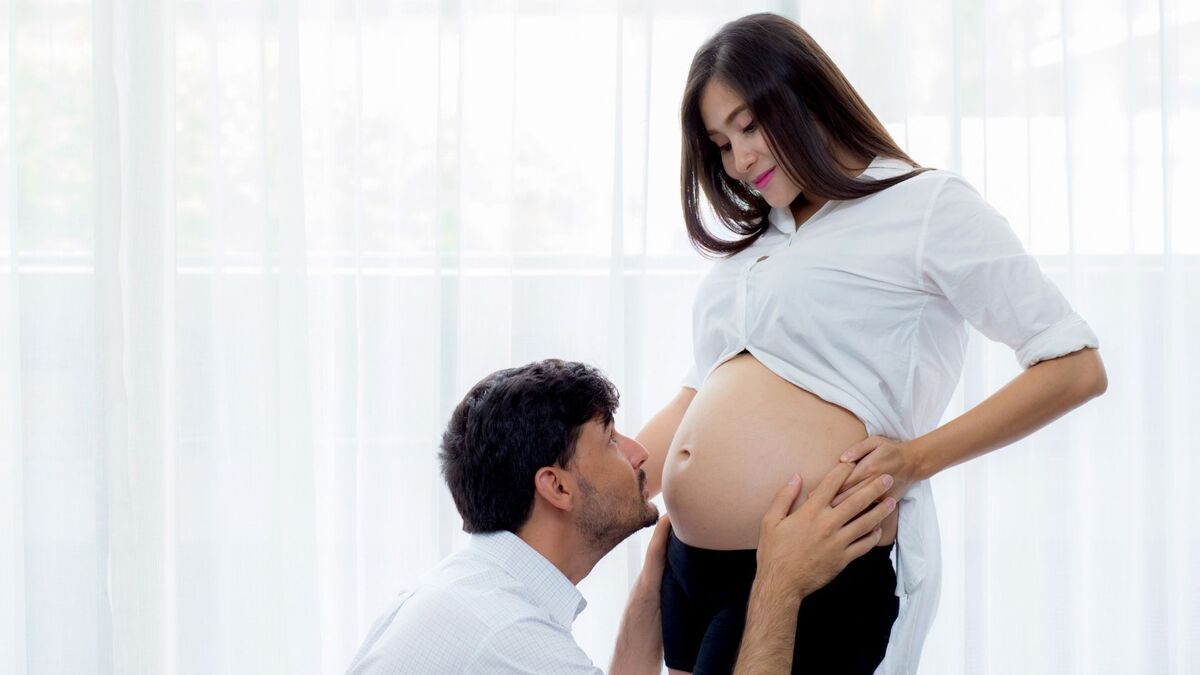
<point x="560" y="543"/>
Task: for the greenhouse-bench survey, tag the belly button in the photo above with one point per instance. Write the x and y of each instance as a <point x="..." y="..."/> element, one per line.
<point x="685" y="454"/>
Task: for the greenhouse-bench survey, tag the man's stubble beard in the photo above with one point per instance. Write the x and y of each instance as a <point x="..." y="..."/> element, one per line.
<point x="607" y="519"/>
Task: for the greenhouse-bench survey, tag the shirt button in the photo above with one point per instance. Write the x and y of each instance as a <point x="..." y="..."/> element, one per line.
<point x="762" y="258"/>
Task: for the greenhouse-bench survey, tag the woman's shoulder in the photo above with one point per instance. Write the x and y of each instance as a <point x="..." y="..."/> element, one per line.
<point x="911" y="194"/>
<point x="923" y="178"/>
<point x="932" y="198"/>
<point x="930" y="188"/>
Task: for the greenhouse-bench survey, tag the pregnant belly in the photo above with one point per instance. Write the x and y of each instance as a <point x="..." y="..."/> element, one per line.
<point x="745" y="433"/>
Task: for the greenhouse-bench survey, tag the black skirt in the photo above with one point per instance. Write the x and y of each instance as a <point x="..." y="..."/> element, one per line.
<point x="842" y="628"/>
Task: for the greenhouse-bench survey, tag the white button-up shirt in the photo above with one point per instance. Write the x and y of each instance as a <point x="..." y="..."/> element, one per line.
<point x="866" y="305"/>
<point x="496" y="607"/>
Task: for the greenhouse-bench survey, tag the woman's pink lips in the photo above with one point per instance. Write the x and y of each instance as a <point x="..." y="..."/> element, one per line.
<point x="764" y="179"/>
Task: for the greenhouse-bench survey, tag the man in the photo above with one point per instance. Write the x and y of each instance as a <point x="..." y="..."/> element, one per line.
<point x="547" y="487"/>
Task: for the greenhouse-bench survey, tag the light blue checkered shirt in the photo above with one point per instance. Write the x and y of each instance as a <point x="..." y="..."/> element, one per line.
<point x="496" y="607"/>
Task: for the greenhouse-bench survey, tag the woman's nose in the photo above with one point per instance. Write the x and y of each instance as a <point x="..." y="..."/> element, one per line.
<point x="743" y="160"/>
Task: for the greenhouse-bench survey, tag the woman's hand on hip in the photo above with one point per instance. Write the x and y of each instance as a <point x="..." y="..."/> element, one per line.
<point x="875" y="456"/>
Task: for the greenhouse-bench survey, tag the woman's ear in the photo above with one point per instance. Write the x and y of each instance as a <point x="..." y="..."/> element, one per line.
<point x="556" y="486"/>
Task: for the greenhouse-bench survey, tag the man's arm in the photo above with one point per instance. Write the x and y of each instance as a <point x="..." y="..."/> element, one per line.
<point x="770" y="634"/>
<point x="639" y="646"/>
<point x="800" y="553"/>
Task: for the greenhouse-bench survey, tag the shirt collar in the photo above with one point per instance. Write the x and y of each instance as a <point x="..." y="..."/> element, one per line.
<point x="880" y="167"/>
<point x="782" y="220"/>
<point x="548" y="586"/>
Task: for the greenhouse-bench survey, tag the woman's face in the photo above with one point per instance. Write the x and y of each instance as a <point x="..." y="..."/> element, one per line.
<point x="744" y="151"/>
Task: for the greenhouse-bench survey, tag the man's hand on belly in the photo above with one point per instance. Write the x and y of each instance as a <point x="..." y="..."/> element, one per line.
<point x="808" y="548"/>
<point x="801" y="552"/>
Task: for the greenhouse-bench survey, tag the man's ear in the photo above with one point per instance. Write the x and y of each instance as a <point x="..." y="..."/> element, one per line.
<point x="556" y="486"/>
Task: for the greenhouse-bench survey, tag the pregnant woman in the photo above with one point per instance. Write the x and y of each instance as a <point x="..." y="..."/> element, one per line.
<point x="833" y="327"/>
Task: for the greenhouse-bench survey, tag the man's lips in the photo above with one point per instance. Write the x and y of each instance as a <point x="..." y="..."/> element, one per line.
<point x="764" y="178"/>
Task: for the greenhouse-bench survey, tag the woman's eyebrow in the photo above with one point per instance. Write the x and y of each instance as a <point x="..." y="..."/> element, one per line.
<point x="729" y="119"/>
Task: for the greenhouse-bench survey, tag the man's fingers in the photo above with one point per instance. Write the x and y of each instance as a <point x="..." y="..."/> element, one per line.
<point x="784" y="499"/>
<point x="860" y="500"/>
<point x="859" y="475"/>
<point x="659" y="538"/>
<point x="830" y="485"/>
<point x="856" y="550"/>
<point x="850" y="487"/>
<point x="862" y="525"/>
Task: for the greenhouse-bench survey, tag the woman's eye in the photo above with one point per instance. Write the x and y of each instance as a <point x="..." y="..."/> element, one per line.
<point x="726" y="148"/>
<point x="749" y="128"/>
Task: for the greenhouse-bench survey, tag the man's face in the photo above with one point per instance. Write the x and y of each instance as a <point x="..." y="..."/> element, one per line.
<point x="612" y="486"/>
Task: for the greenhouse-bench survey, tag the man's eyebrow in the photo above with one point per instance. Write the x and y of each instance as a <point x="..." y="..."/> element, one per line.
<point x="729" y="120"/>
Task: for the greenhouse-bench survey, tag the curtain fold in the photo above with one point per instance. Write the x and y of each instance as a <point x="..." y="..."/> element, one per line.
<point x="13" y="625"/>
<point x="253" y="253"/>
<point x="111" y="428"/>
<point x="135" y="263"/>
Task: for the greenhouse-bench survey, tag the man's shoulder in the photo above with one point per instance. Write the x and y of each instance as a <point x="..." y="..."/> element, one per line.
<point x="473" y="596"/>
<point x="464" y="615"/>
<point x="482" y="598"/>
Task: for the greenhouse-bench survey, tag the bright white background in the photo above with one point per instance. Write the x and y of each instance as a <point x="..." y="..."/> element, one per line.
<point x="252" y="253"/>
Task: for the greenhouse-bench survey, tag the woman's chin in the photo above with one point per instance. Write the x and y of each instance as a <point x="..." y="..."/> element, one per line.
<point x="780" y="199"/>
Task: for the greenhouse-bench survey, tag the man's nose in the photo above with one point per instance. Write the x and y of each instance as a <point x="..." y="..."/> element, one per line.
<point x="634" y="452"/>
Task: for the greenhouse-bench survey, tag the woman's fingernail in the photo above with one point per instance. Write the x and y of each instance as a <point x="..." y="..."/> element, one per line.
<point x="887" y="480"/>
<point x="795" y="479"/>
<point x="891" y="504"/>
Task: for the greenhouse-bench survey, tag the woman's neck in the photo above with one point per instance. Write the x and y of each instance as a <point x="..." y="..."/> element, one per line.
<point x="805" y="205"/>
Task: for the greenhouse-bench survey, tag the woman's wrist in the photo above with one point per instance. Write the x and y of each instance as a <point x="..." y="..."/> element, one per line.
<point x="919" y="459"/>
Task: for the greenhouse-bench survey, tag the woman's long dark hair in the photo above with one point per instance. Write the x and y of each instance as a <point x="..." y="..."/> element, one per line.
<point x="803" y="104"/>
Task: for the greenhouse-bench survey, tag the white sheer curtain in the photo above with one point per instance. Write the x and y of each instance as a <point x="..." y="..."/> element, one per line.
<point x="251" y="254"/>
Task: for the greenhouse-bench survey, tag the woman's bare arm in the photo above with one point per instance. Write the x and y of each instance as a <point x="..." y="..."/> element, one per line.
<point x="657" y="434"/>
<point x="1033" y="399"/>
<point x="1029" y="402"/>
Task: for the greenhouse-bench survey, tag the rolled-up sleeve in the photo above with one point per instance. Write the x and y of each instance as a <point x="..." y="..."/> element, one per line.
<point x="970" y="255"/>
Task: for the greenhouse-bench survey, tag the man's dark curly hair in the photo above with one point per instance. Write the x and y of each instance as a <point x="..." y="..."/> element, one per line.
<point x="512" y="423"/>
